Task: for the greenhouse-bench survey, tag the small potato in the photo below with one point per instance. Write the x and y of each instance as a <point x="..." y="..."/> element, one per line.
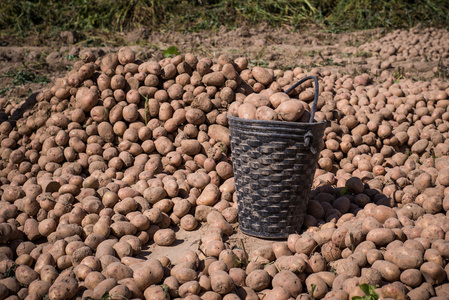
<point x="25" y="275"/>
<point x="64" y="288"/>
<point x="118" y="271"/>
<point x="164" y="237"/>
<point x="388" y="270"/>
<point x="238" y="276"/>
<point x="281" y="249"/>
<point x="380" y="236"/>
<point x="188" y="222"/>
<point x="406" y="258"/>
<point x="39" y="288"/>
<point x="184" y="275"/>
<point x="411" y="277"/>
<point x="247" y="111"/>
<point x="148" y="274"/>
<point x="289" y="281"/>
<point x="266" y="113"/>
<point x="321" y="288"/>
<point x="433" y="273"/>
<point x="221" y="282"/>
<point x="290" y="110"/>
<point x="258" y="280"/>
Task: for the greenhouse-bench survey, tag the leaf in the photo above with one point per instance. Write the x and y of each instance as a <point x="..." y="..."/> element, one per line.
<point x="357" y="298"/>
<point x="171" y="51"/>
<point x="105" y="296"/>
<point x="344" y="191"/>
<point x="365" y="288"/>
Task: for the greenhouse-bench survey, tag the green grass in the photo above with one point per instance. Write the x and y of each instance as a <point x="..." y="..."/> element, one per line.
<point x="48" y="17"/>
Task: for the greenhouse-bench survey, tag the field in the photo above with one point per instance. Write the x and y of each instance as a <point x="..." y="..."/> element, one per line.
<point x="118" y="177"/>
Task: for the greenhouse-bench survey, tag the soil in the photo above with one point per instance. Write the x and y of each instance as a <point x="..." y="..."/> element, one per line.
<point x="191" y="240"/>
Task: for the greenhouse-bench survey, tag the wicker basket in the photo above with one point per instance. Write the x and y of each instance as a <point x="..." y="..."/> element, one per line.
<point x="274" y="165"/>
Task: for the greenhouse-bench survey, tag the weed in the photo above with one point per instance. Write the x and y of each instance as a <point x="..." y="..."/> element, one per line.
<point x="370" y="293"/>
<point x="313" y="287"/>
<point x="3" y="91"/>
<point x="70" y="57"/>
<point x="11" y="272"/>
<point x="258" y="63"/>
<point x="442" y="70"/>
<point x="147" y="110"/>
<point x="171" y="51"/>
<point x="25" y="76"/>
<point x="363" y="54"/>
<point x="166" y="289"/>
<point x="345" y="191"/>
<point x="222" y="147"/>
<point x="399" y="74"/>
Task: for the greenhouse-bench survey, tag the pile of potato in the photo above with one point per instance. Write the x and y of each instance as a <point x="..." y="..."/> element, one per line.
<point x="120" y="152"/>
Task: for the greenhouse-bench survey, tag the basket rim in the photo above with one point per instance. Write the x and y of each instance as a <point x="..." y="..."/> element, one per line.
<point x="281" y="123"/>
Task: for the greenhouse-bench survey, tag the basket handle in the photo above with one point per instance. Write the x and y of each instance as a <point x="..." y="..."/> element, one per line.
<point x="308" y="137"/>
<point x="315" y="98"/>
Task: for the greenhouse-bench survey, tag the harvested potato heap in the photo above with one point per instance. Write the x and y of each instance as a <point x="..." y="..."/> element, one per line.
<point x="119" y="151"/>
<point x="408" y="45"/>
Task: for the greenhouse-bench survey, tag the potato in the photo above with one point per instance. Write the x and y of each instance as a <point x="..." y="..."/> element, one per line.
<point x="219" y="133"/>
<point x="209" y="196"/>
<point x="189" y="288"/>
<point x="321" y="288"/>
<point x="148" y="274"/>
<point x="118" y="271"/>
<point x="103" y="287"/>
<point x="164" y="237"/>
<point x="86" y="98"/>
<point x="380" y="236"/>
<point x="184" y="275"/>
<point x="292" y="263"/>
<point x="156" y="292"/>
<point x="25" y="275"/>
<point x="247" y="111"/>
<point x="289" y="281"/>
<point x="39" y="288"/>
<point x="411" y="277"/>
<point x="388" y="270"/>
<point x="262" y="75"/>
<point x="290" y="110"/>
<point x="258" y="280"/>
<point x="122" y="228"/>
<point x="221" y="282"/>
<point x="64" y="288"/>
<point x="432" y="272"/>
<point x="406" y="258"/>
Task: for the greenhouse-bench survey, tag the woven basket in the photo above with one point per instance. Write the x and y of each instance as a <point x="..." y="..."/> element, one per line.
<point x="274" y="165"/>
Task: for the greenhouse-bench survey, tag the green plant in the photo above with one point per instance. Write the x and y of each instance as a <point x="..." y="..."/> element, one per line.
<point x="147" y="112"/>
<point x="344" y="191"/>
<point x="399" y="74"/>
<point x="20" y="77"/>
<point x="11" y="272"/>
<point x="370" y="293"/>
<point x="70" y="57"/>
<point x="3" y="91"/>
<point x="171" y="51"/>
<point x="442" y="70"/>
<point x="313" y="287"/>
<point x="166" y="289"/>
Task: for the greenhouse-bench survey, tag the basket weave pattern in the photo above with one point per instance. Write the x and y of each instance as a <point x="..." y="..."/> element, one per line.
<point x="273" y="172"/>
